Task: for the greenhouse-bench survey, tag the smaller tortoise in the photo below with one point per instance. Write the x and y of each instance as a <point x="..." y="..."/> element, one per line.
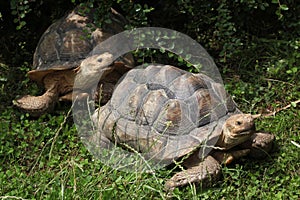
<point x="59" y="53"/>
<point x="168" y="114"/>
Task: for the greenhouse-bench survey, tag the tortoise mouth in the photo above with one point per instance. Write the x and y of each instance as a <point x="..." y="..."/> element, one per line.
<point x="246" y="132"/>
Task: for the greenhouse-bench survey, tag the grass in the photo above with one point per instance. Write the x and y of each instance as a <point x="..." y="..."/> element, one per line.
<point x="35" y="164"/>
<point x="45" y="159"/>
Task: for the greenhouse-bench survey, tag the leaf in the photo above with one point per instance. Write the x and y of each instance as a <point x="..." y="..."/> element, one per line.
<point x="170" y="55"/>
<point x="22" y="15"/>
<point x="14" y="12"/>
<point x="284" y="7"/>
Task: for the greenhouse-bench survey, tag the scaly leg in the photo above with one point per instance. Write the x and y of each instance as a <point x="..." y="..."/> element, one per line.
<point x="260" y="144"/>
<point x="205" y="173"/>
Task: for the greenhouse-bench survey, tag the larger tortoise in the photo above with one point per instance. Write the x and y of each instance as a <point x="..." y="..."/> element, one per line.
<point x="59" y="53"/>
<point x="167" y="114"/>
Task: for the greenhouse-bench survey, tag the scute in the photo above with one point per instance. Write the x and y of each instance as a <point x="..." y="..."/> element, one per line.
<point x="165" y="112"/>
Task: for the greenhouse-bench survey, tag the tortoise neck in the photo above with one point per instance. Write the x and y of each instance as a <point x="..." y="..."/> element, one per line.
<point x="221" y="141"/>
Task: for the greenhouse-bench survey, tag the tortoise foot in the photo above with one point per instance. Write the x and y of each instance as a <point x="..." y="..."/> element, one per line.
<point x="35" y="105"/>
<point x="260" y="144"/>
<point x="205" y="174"/>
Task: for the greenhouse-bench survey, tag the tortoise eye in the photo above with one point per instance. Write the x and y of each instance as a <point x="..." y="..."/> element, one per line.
<point x="238" y="123"/>
<point x="99" y="60"/>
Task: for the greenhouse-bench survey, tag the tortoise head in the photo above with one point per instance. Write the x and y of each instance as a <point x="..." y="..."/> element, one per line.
<point x="236" y="130"/>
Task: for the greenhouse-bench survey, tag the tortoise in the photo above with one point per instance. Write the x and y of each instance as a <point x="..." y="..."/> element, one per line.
<point x="169" y="114"/>
<point x="59" y="53"/>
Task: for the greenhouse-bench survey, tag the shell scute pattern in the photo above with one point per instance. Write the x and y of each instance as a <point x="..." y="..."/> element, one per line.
<point x="163" y="111"/>
<point x="163" y="97"/>
<point x="63" y="43"/>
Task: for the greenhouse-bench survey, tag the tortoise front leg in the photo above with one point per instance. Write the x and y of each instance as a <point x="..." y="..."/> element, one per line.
<point x="205" y="173"/>
<point x="38" y="105"/>
<point x="257" y="146"/>
<point x="260" y="144"/>
<point x="227" y="157"/>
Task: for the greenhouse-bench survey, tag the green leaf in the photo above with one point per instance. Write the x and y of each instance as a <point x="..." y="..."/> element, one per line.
<point x="170" y="55"/>
<point x="14" y="12"/>
<point x="22" y="15"/>
<point x="284" y="7"/>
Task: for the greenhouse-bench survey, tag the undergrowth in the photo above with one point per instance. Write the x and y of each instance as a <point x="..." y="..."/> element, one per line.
<point x="44" y="158"/>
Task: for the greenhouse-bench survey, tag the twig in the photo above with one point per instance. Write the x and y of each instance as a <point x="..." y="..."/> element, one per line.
<point x="52" y="144"/>
<point x="11" y="197"/>
<point x="58" y="131"/>
<point x="281" y="109"/>
<point x="40" y="155"/>
<point x="275" y="80"/>
<point x="296" y="144"/>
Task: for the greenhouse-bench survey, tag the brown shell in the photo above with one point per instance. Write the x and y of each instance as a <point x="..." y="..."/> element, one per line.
<point x="165" y="112"/>
<point x="69" y="40"/>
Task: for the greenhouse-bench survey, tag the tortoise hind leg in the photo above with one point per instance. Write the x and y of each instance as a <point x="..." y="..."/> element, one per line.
<point x="205" y="173"/>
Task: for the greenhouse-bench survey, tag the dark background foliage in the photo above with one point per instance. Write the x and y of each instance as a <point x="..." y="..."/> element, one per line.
<point x="261" y="39"/>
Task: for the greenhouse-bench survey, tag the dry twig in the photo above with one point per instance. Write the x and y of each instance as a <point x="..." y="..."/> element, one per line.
<point x="280" y="109"/>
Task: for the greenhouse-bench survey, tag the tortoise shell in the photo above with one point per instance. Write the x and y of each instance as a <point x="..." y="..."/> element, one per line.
<point x="165" y="112"/>
<point x="69" y="40"/>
